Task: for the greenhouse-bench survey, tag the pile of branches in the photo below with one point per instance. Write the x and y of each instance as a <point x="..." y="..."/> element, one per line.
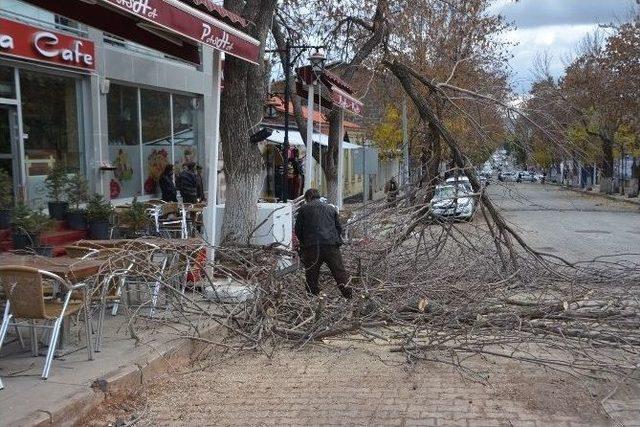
<point x="433" y="290"/>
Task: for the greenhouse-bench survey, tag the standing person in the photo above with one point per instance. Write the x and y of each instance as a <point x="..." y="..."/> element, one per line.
<point x="319" y="232"/>
<point x="167" y="187"/>
<point x="188" y="183"/>
<point x="199" y="184"/>
<point x="391" y="190"/>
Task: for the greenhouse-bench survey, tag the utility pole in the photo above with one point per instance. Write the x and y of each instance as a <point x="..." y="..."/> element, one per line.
<point x="285" y="145"/>
<point x="365" y="185"/>
<point x="308" y="176"/>
<point x="405" y="143"/>
<point x="340" y="182"/>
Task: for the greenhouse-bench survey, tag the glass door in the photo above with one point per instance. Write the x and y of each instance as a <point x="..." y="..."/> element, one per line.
<point x="9" y="146"/>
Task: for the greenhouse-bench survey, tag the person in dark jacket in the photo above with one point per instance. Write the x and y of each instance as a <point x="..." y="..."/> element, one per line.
<point x="167" y="187"/>
<point x="188" y="184"/>
<point x="391" y="190"/>
<point x="319" y="232"/>
<point x="199" y="184"/>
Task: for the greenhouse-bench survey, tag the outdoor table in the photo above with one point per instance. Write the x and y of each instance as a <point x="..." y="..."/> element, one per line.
<point x="72" y="269"/>
<point x="192" y="242"/>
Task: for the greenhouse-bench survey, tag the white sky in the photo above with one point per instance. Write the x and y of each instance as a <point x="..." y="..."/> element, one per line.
<point x="554" y="27"/>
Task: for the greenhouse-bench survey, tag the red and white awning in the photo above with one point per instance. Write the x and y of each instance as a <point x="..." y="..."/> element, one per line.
<point x="170" y="26"/>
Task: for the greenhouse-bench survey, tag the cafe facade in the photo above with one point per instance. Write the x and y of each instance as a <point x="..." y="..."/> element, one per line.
<point x="113" y="89"/>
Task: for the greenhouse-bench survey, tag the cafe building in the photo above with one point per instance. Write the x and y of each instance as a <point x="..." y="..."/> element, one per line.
<point x="113" y="89"/>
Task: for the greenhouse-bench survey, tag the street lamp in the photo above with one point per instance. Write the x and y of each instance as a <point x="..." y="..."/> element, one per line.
<point x="317" y="60"/>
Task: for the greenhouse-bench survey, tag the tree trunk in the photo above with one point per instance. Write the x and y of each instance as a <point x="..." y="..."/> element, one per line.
<point x="606" y="182"/>
<point x="330" y="158"/>
<point x="240" y="117"/>
<point x="433" y="147"/>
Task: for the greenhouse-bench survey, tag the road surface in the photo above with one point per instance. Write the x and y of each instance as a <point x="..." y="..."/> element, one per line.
<point x="574" y="226"/>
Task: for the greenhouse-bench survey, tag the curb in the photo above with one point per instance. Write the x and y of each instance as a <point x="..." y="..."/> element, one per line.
<point x="125" y="379"/>
<point x="633" y="201"/>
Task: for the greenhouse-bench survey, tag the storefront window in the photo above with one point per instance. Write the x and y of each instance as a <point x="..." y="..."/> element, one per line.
<point x="156" y="137"/>
<point x="124" y="142"/>
<point x="186" y="129"/>
<point x="7" y="83"/>
<point x="50" y="120"/>
<point x="141" y="142"/>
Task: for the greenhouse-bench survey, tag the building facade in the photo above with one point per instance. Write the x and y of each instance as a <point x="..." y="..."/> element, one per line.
<point x="115" y="111"/>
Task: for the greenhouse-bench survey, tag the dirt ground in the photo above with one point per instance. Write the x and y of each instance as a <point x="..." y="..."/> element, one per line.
<point x="346" y="384"/>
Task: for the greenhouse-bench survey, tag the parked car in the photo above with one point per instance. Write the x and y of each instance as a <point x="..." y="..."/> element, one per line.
<point x="507" y="177"/>
<point x="526" y="177"/>
<point x="461" y="181"/>
<point x="453" y="201"/>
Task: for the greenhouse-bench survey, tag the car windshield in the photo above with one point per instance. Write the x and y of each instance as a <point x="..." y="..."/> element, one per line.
<point x="448" y="192"/>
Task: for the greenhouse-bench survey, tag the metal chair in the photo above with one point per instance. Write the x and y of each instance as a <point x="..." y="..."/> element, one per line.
<point x="25" y="300"/>
<point x="81" y="252"/>
<point x="169" y="227"/>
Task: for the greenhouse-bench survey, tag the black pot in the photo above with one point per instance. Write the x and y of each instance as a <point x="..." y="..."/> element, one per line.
<point x="76" y="220"/>
<point x="22" y="240"/>
<point x="5" y="218"/>
<point x="58" y="210"/>
<point x="99" y="230"/>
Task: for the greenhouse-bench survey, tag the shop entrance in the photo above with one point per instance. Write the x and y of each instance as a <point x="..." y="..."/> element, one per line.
<point x="9" y="147"/>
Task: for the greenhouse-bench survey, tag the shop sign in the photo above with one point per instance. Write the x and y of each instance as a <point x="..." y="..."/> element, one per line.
<point x="345" y="101"/>
<point x="25" y="41"/>
<point x="181" y="19"/>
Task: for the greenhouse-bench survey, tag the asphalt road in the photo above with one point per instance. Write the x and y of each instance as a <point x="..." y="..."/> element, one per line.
<point x="574" y="226"/>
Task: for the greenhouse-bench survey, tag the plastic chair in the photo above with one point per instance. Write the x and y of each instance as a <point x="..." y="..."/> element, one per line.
<point x="25" y="300"/>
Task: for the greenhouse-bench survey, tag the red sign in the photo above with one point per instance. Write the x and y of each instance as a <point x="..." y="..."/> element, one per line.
<point x="345" y="101"/>
<point x="179" y="18"/>
<point x="25" y="41"/>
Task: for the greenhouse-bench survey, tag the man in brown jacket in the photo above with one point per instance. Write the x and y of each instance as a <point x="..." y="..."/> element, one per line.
<point x="319" y="232"/>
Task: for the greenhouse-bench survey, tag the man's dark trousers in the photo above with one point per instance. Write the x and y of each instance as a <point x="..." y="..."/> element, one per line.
<point x="314" y="256"/>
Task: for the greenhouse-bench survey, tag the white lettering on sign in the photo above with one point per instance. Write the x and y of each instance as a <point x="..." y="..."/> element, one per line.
<point x="139" y="7"/>
<point x="221" y="42"/>
<point x="46" y="42"/>
<point x="6" y="42"/>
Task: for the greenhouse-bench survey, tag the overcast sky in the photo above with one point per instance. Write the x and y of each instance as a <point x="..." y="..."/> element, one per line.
<point x="554" y="26"/>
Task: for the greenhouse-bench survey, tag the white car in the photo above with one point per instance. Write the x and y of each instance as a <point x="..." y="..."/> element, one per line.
<point x="453" y="201"/>
<point x="526" y="177"/>
<point x="462" y="181"/>
<point x="507" y="177"/>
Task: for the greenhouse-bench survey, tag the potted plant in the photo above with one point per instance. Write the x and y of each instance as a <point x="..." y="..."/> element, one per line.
<point x="99" y="212"/>
<point x="6" y="199"/>
<point x="56" y="183"/>
<point x="78" y="193"/>
<point x="135" y="220"/>
<point x="27" y="225"/>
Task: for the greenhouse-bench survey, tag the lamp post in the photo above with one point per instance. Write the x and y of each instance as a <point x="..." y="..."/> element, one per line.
<point x="317" y="60"/>
<point x="288" y="63"/>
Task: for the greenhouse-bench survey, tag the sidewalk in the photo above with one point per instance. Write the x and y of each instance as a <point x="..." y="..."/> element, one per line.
<point x="349" y="382"/>
<point x="595" y="192"/>
<point x="76" y="385"/>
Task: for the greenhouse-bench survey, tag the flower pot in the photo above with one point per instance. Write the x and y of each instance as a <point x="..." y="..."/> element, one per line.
<point x="58" y="210"/>
<point x="5" y="218"/>
<point x="99" y="230"/>
<point x="22" y="240"/>
<point x="76" y="220"/>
